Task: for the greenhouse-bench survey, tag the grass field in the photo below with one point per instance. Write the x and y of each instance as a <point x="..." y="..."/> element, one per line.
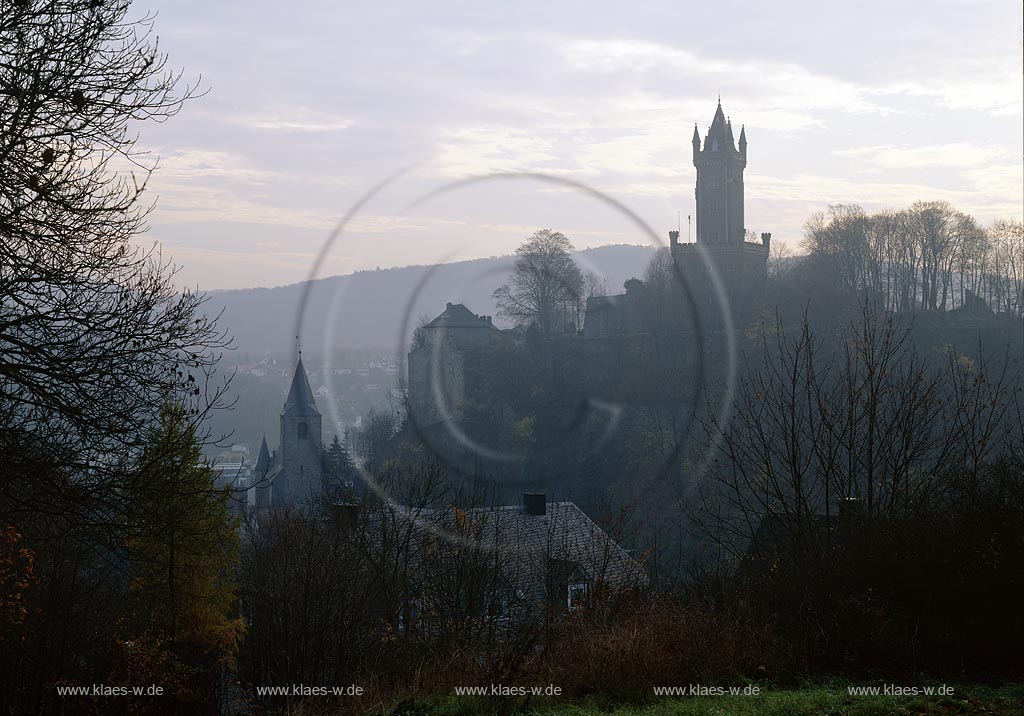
<point x="816" y="701"/>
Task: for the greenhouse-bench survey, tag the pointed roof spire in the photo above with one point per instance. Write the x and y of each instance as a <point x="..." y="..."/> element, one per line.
<point x="720" y="132"/>
<point x="300" y="397"/>
<point x="696" y="135"/>
<point x="263" y="461"/>
<point x="743" y="138"/>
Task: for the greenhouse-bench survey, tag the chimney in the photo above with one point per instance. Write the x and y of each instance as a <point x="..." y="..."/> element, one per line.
<point x="535" y="503"/>
<point x="673" y="238"/>
<point x="344" y="515"/>
<point x="448" y="307"/>
<point x="850" y="508"/>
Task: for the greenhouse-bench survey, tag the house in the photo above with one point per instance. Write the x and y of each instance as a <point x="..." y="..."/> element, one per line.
<point x="529" y="560"/>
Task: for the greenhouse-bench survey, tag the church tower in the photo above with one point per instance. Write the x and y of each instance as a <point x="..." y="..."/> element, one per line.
<point x="300" y="470"/>
<point x="719" y="192"/>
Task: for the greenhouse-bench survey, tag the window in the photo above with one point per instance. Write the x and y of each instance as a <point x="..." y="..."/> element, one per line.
<point x="577" y="594"/>
<point x="713" y="207"/>
<point x="713" y="236"/>
<point x="303" y="431"/>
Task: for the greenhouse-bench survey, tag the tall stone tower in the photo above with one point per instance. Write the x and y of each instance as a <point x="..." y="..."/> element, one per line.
<point x="298" y="476"/>
<point x="719" y="192"/>
<point x="725" y="274"/>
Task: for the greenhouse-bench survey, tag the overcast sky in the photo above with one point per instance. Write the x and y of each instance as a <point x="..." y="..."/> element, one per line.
<point x="311" y="104"/>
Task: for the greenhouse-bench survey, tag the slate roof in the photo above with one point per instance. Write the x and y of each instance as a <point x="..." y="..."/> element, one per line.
<point x="300" y="397"/>
<point x="528" y="546"/>
<point x="565" y="534"/>
<point x="263" y="461"/>
<point x="603" y="303"/>
<point x="719" y="133"/>
<point x="456" y="315"/>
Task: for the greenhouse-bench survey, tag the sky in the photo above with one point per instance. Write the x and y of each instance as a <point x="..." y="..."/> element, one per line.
<point x="309" y="106"/>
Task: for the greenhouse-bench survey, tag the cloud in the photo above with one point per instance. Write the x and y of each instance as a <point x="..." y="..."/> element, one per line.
<point x="474" y="150"/>
<point x="783" y="85"/>
<point x="608" y="97"/>
<point x="985" y="200"/>
<point x="292" y="120"/>
<point x="195" y="164"/>
<point x="956" y="154"/>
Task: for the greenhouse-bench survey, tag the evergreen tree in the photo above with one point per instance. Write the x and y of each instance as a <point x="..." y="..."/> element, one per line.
<point x="182" y="551"/>
<point x="342" y="474"/>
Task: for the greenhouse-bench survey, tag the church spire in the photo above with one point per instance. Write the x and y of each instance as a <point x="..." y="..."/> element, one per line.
<point x="263" y="461"/>
<point x="300" y="397"/>
<point x="743" y="139"/>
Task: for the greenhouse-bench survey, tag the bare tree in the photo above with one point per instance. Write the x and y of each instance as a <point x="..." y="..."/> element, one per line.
<point x="546" y="286"/>
<point x="778" y="262"/>
<point x="929" y="257"/>
<point x="871" y="421"/>
<point x="94" y="335"/>
<point x="1004" y="276"/>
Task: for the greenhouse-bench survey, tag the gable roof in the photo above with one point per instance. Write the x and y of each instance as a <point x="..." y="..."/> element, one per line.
<point x="456" y="315"/>
<point x="529" y="544"/>
<point x="530" y="547"/>
<point x="604" y="303"/>
<point x="530" y="550"/>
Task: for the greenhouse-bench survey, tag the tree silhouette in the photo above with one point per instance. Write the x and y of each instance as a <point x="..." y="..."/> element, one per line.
<point x="546" y="287"/>
<point x="94" y="335"/>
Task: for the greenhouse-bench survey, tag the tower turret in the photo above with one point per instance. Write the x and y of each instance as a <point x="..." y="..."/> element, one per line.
<point x="263" y="461"/>
<point x="743" y="141"/>
<point x="696" y="143"/>
<point x="259" y="477"/>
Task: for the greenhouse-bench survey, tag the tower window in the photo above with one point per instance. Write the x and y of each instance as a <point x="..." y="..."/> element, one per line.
<point x="713" y="207"/>
<point x="714" y="236"/>
<point x="303" y="431"/>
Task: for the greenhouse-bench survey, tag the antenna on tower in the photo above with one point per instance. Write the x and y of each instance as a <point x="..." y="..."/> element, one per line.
<point x="688" y="218"/>
<point x="679" y="221"/>
<point x="298" y="346"/>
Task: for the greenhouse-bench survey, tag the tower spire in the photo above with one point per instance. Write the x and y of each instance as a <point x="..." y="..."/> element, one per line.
<point x="300" y="396"/>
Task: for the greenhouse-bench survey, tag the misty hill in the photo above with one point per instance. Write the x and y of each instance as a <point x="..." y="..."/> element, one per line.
<point x="368" y="308"/>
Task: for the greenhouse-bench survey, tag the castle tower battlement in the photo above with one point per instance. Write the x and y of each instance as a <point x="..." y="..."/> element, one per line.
<point x="721" y="247"/>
